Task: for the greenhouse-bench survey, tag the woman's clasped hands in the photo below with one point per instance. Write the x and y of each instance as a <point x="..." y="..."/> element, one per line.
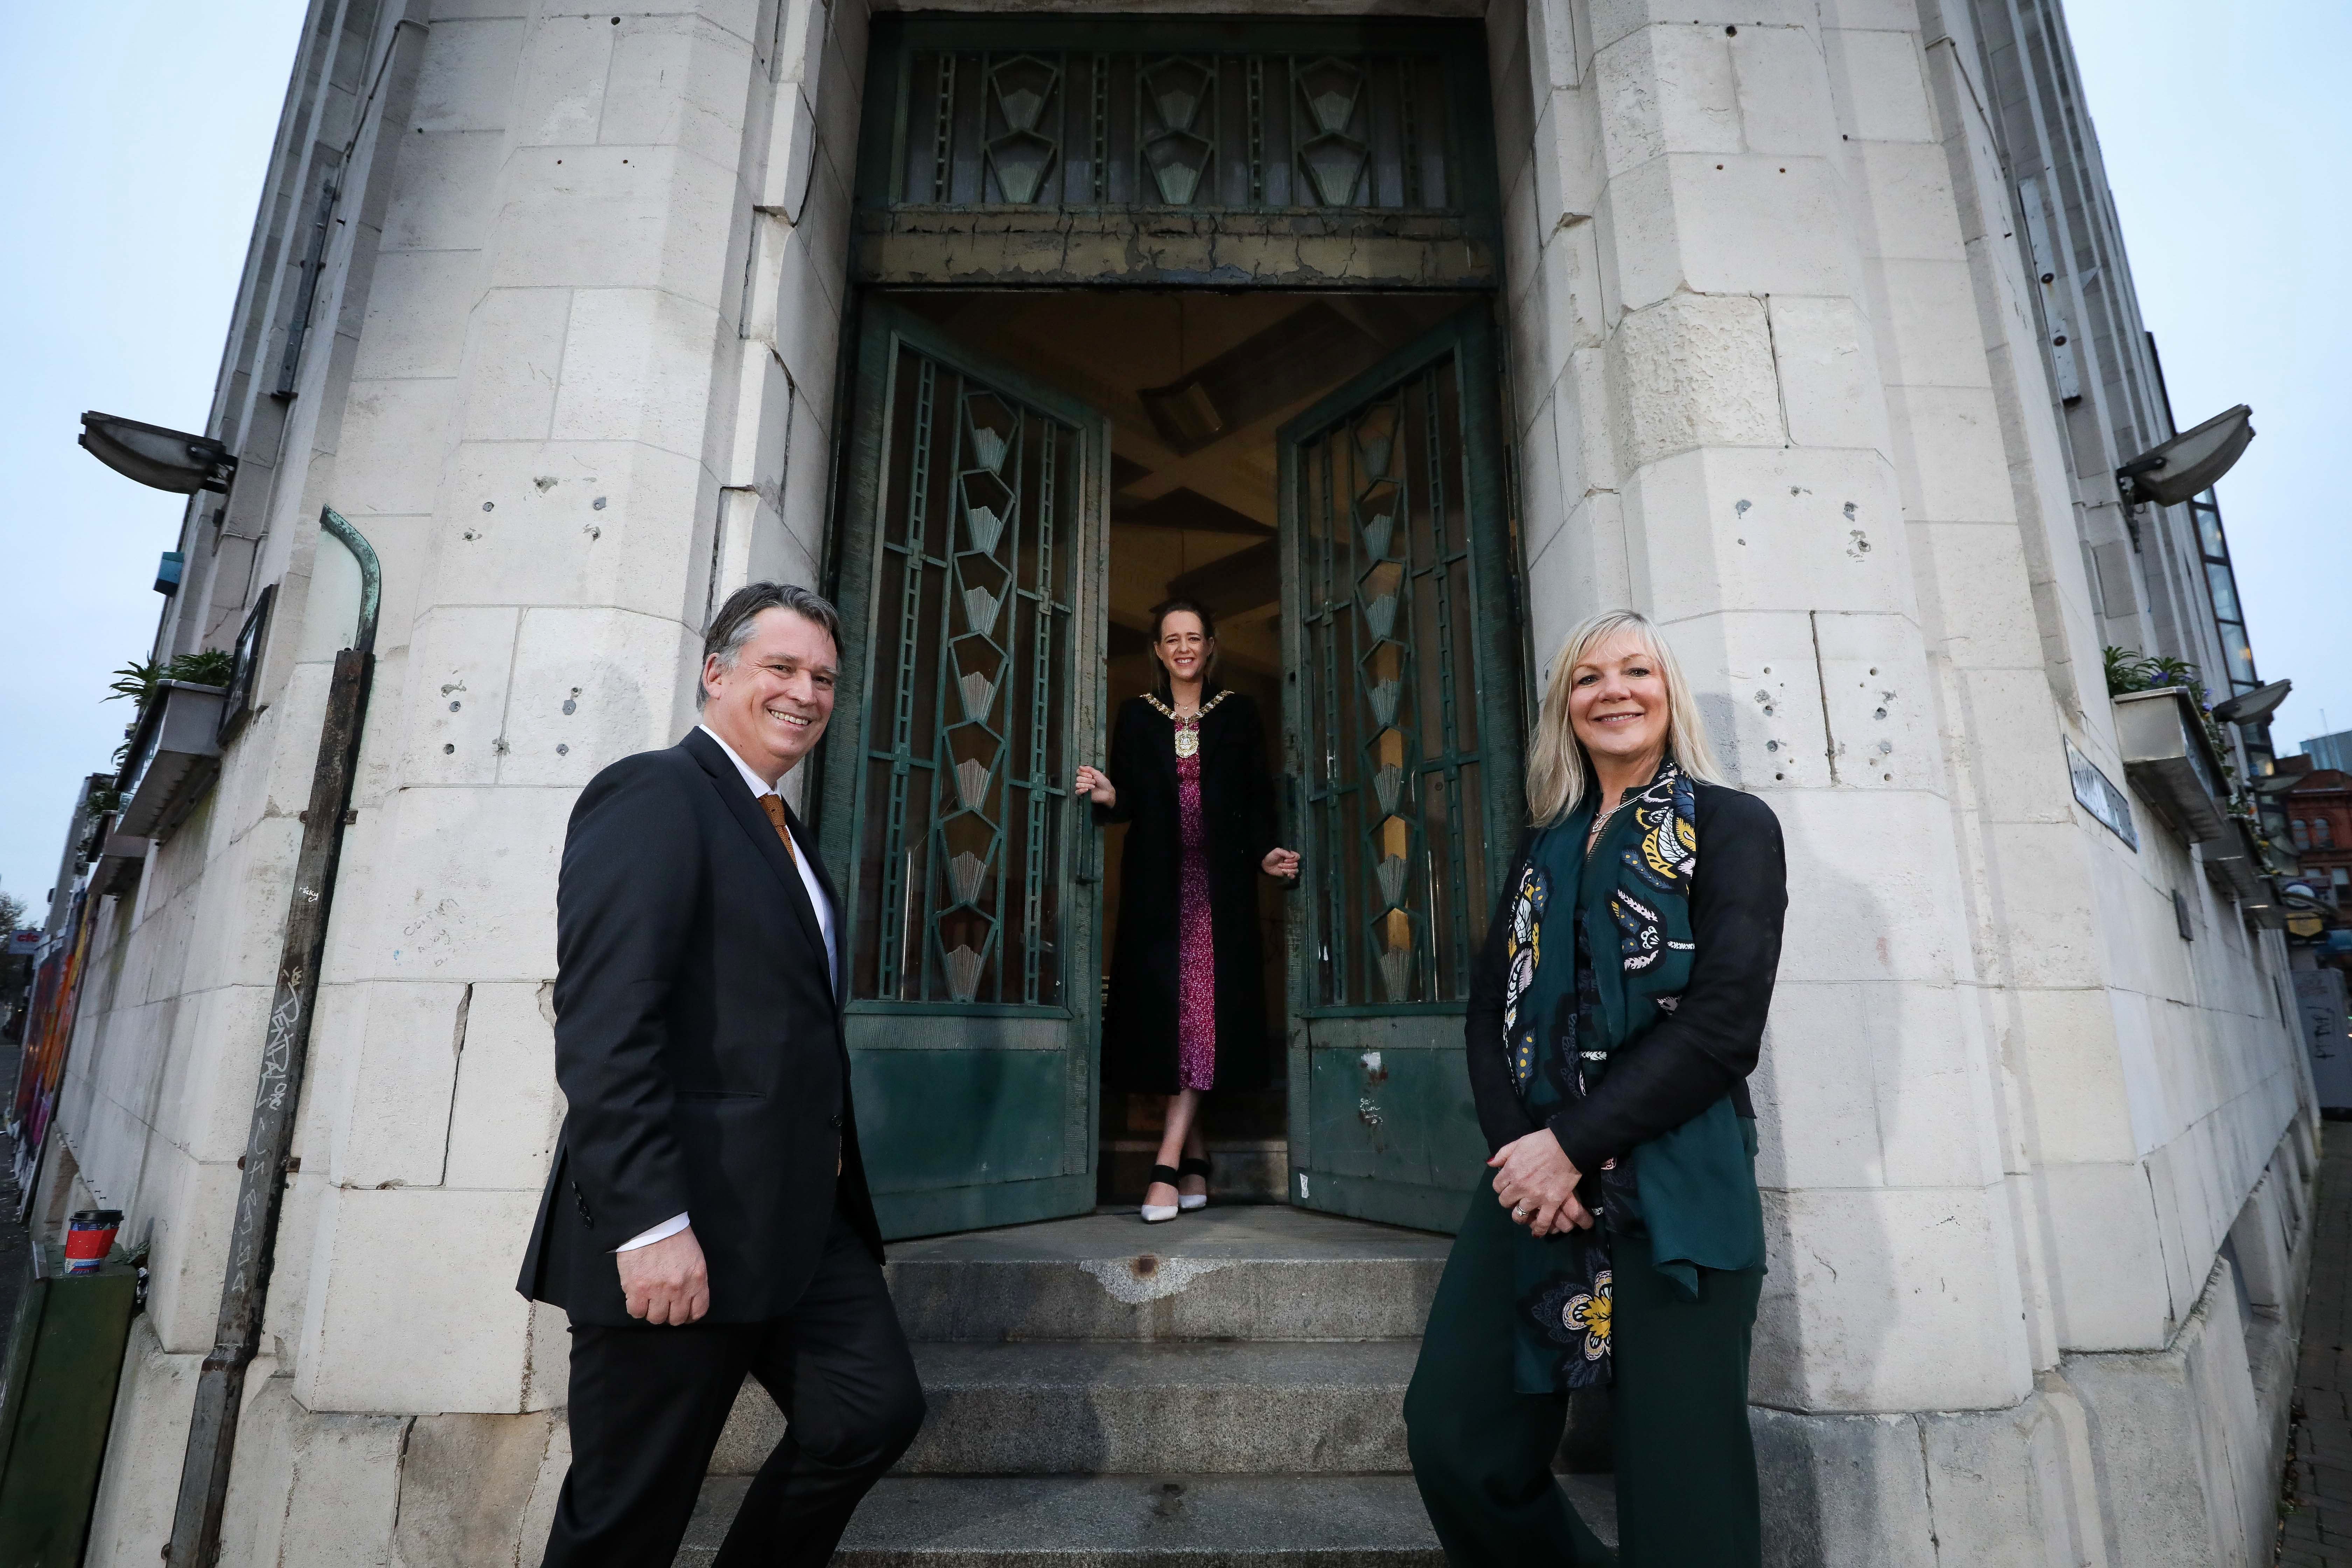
<point x="1536" y="1180"/>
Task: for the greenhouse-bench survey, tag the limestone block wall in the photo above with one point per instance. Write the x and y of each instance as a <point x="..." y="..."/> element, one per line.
<point x="1776" y="377"/>
<point x="572" y="375"/>
<point x="1708" y="411"/>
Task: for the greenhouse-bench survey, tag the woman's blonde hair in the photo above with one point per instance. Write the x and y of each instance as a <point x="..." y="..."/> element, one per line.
<point x="1558" y="771"/>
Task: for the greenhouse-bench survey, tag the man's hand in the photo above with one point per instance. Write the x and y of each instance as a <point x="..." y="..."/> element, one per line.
<point x="665" y="1281"/>
<point x="1282" y="863"/>
<point x="1537" y="1183"/>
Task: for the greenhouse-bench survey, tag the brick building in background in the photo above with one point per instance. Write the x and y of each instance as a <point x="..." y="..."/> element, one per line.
<point x="2318" y="808"/>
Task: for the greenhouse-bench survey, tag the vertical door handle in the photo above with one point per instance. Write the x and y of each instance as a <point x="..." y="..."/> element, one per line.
<point x="1083" y="830"/>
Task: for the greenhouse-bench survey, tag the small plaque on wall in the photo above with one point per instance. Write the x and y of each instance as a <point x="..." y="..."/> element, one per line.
<point x="2100" y="797"/>
<point x="245" y="666"/>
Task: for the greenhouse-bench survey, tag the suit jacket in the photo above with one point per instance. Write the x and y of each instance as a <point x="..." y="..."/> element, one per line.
<point x="698" y="1043"/>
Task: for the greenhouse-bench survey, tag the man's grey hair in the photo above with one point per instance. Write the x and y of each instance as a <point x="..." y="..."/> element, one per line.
<point x="731" y="628"/>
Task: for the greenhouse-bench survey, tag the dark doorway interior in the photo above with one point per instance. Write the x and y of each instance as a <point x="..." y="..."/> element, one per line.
<point x="1195" y="383"/>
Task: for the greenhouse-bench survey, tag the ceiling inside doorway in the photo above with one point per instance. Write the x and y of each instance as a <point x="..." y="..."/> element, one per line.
<point x="1195" y="384"/>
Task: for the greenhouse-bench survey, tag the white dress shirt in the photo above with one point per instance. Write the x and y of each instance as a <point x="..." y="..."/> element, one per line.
<point x="817" y="901"/>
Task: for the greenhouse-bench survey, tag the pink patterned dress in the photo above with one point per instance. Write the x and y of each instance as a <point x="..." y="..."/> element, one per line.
<point x="1196" y="985"/>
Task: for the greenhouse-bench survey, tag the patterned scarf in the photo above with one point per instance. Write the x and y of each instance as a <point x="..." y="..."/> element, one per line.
<point x="1562" y="1019"/>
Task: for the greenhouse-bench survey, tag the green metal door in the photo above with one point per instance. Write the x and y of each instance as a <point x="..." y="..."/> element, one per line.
<point x="1402" y="716"/>
<point x="971" y="588"/>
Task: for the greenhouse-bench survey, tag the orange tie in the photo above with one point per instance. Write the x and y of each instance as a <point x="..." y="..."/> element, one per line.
<point x="774" y="808"/>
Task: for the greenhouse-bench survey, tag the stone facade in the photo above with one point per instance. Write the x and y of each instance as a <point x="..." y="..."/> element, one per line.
<point x="2037" y="1169"/>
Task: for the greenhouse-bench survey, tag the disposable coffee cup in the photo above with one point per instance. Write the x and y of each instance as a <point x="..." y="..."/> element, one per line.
<point x="89" y="1236"/>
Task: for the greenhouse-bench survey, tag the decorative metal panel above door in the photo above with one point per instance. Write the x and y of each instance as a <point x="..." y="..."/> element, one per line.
<point x="1170" y="152"/>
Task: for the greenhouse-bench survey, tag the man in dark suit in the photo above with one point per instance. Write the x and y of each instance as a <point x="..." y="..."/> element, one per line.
<point x="707" y="1213"/>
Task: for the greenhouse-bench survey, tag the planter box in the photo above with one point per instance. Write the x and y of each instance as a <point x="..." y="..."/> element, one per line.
<point x="2233" y="863"/>
<point x="173" y="760"/>
<point x="2169" y="761"/>
<point x="120" y="861"/>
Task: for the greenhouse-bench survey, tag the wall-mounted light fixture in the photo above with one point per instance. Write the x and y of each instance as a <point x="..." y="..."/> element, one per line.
<point x="2249" y="706"/>
<point x="163" y="459"/>
<point x="2172" y="471"/>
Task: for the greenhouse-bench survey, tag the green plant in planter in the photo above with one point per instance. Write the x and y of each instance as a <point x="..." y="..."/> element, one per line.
<point x="140" y="679"/>
<point x="2128" y="671"/>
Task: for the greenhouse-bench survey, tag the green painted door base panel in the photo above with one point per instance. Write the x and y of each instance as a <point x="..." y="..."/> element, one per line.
<point x="940" y="1211"/>
<point x="946" y="1117"/>
<point x="1384" y="1110"/>
<point x="1407" y="1204"/>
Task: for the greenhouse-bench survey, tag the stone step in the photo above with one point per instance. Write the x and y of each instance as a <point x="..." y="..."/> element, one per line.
<point x="1134" y="1522"/>
<point x="1137" y="1409"/>
<point x="1255" y="1272"/>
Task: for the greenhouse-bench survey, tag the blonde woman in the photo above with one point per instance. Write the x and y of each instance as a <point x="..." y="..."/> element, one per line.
<point x="1614" y="1017"/>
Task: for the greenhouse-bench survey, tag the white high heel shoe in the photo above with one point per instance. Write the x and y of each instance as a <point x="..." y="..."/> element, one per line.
<point x="1189" y="1202"/>
<point x="1161" y="1214"/>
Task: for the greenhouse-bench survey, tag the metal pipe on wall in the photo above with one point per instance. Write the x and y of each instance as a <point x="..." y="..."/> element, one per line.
<point x="285" y="1052"/>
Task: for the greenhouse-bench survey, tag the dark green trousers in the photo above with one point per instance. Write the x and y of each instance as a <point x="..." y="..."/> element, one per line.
<point x="1481" y="1452"/>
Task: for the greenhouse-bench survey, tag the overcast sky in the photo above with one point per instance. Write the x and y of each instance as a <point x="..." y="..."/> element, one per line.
<point x="2226" y="130"/>
<point x="141" y="129"/>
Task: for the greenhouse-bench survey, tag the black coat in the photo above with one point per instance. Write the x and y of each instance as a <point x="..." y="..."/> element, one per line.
<point x="698" y="1043"/>
<point x="1140" y="1022"/>
<point x="1694" y="1056"/>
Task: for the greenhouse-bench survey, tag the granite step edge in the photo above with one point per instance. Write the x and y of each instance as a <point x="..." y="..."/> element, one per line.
<point x="1132" y="1522"/>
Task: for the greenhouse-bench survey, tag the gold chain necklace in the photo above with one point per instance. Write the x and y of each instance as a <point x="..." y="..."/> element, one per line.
<point x="1187" y="729"/>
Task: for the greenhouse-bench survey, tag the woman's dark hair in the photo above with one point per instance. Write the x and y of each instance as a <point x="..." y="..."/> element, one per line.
<point x="1161" y="686"/>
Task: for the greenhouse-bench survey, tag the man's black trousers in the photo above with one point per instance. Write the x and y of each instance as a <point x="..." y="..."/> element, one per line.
<point x="648" y="1404"/>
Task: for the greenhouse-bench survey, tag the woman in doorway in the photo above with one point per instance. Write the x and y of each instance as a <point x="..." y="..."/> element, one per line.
<point x="1614" y="1017"/>
<point x="1187" y="1007"/>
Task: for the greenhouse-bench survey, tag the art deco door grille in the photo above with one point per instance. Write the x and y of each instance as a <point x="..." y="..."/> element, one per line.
<point x="970" y="702"/>
<point x="973" y="506"/>
<point x="1401" y="713"/>
<point x="1396" y="810"/>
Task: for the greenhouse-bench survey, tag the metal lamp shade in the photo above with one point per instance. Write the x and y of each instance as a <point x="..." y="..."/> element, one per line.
<point x="160" y="459"/>
<point x="2177" y="470"/>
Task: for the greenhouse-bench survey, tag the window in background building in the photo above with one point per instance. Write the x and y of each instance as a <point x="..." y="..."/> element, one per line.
<point x="2323" y="834"/>
<point x="2222" y="588"/>
<point x="2301" y="834"/>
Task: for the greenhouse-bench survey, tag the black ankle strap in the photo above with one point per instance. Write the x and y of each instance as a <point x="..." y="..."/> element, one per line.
<point x="1191" y="1167"/>
<point x="1164" y="1173"/>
